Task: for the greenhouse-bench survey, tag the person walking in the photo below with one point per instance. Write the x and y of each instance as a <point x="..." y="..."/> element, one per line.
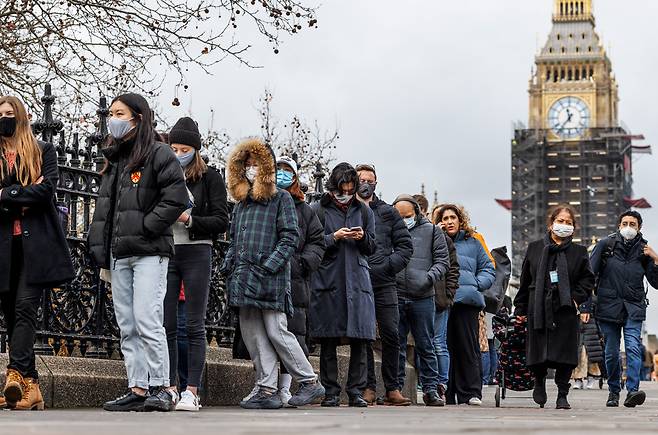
<point x="142" y="194"/>
<point x="394" y="249"/>
<point x="444" y="297"/>
<point x="428" y="265"/>
<point x="590" y="352"/>
<point x="555" y="279"/>
<point x="305" y="260"/>
<point x="205" y="218"/>
<point x="476" y="274"/>
<point x="490" y="355"/>
<point x="29" y="228"/>
<point x="342" y="307"/>
<point x="264" y="235"/>
<point x="621" y="262"/>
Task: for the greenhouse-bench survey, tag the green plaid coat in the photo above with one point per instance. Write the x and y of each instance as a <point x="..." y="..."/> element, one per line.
<point x="264" y="236"/>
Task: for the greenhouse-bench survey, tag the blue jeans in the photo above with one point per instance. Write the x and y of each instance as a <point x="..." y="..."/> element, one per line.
<point x="632" y="340"/>
<point x="441" y="344"/>
<point x="489" y="363"/>
<point x="417" y="316"/>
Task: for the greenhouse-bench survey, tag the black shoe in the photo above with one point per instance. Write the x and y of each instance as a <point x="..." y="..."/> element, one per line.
<point x="562" y="402"/>
<point x="308" y="392"/>
<point x="161" y="399"/>
<point x="263" y="400"/>
<point x="358" y="402"/>
<point x="432" y="398"/>
<point x="613" y="400"/>
<point x="441" y="391"/>
<point x="380" y="401"/>
<point x="130" y="401"/>
<point x="635" y="398"/>
<point x="539" y="393"/>
<point x="330" y="401"/>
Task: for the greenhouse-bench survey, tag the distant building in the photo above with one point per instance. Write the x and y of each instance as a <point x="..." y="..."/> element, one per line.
<point x="574" y="149"/>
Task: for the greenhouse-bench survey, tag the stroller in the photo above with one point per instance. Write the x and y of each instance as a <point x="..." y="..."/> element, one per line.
<point x="512" y="373"/>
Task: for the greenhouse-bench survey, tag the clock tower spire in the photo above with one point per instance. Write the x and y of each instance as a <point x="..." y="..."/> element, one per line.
<point x="570" y="10"/>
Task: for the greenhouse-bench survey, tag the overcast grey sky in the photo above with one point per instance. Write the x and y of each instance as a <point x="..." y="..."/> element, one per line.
<point x="427" y="90"/>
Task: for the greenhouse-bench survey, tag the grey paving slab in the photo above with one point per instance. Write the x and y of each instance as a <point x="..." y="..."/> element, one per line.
<point x="517" y="416"/>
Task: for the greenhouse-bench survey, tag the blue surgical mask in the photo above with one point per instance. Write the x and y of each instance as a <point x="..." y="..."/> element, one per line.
<point x="284" y="179"/>
<point x="186" y="159"/>
<point x="119" y="128"/>
<point x="410" y="222"/>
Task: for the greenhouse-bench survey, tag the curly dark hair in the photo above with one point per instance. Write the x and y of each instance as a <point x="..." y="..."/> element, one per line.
<point x="631" y="213"/>
<point x="342" y="173"/>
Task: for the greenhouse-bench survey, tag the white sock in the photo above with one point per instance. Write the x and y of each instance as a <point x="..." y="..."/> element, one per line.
<point x="285" y="381"/>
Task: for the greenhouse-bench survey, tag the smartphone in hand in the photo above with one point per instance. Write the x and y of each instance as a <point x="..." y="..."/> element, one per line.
<point x="356" y="229"/>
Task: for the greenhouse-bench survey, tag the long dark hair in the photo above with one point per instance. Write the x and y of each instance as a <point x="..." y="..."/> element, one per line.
<point x="144" y="134"/>
<point x="341" y="174"/>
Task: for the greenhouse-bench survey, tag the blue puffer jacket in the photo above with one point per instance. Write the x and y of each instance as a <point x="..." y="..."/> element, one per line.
<point x="476" y="271"/>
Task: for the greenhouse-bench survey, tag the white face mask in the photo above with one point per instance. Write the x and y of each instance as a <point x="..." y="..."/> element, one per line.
<point x="628" y="233"/>
<point x="410" y="222"/>
<point x="563" y="231"/>
<point x="251" y="173"/>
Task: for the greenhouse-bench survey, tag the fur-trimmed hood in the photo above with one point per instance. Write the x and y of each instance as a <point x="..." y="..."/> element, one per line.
<point x="264" y="187"/>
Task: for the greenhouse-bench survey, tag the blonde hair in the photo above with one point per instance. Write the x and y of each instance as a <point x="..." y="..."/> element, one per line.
<point x="28" y="151"/>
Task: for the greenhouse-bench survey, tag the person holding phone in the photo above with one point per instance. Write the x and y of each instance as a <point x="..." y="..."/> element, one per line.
<point x="342" y="306"/>
<point x="621" y="261"/>
<point x="555" y="278"/>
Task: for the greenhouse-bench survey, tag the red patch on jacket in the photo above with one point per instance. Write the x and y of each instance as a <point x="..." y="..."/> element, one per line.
<point x="135" y="177"/>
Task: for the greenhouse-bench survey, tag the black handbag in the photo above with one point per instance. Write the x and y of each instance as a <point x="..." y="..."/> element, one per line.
<point x="239" y="348"/>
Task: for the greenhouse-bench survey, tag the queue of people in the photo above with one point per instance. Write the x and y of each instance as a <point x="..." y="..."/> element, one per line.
<point x="342" y="271"/>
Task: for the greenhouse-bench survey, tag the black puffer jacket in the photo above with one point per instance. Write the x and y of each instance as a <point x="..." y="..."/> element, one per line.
<point x="447" y="287"/>
<point x="394" y="246"/>
<point x="591" y="339"/>
<point x="210" y="212"/>
<point x="135" y="210"/>
<point x="305" y="260"/>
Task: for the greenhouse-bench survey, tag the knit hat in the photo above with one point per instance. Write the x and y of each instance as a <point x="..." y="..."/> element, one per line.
<point x="288" y="161"/>
<point x="185" y="132"/>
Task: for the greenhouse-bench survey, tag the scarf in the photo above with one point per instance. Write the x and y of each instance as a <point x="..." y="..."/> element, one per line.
<point x="543" y="309"/>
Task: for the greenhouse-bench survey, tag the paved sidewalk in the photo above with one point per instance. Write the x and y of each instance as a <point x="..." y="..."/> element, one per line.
<point x="517" y="416"/>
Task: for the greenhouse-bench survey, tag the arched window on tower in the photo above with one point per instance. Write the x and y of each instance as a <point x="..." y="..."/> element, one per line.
<point x="577" y="9"/>
<point x="562" y="74"/>
<point x="561" y="8"/>
<point x="571" y="9"/>
<point x="570" y="74"/>
<point x="582" y="8"/>
<point x="577" y="77"/>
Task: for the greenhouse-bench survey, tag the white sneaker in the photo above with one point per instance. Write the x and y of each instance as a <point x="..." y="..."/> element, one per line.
<point x="252" y="394"/>
<point x="591" y="383"/>
<point x="578" y="385"/>
<point x="284" y="395"/>
<point x="188" y="402"/>
<point x="474" y="401"/>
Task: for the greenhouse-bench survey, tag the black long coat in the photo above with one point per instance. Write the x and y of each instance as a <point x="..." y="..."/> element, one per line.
<point x="304" y="262"/>
<point x="45" y="251"/>
<point x="559" y="345"/>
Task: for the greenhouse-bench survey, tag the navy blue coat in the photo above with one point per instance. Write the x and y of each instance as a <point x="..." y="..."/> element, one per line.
<point x="342" y="301"/>
<point x="621" y="293"/>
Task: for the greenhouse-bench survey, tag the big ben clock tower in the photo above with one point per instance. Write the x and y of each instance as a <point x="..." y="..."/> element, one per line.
<point x="573" y="150"/>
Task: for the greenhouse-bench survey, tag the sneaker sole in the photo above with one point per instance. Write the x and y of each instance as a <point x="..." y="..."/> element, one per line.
<point x="13" y="395"/>
<point x="249" y="406"/>
<point x="637" y="400"/>
<point x="187" y="409"/>
<point x="292" y="402"/>
<point x="154" y="408"/>
<point x="124" y="409"/>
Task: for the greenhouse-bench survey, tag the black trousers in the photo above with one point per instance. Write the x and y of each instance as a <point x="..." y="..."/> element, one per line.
<point x="465" y="378"/>
<point x="388" y="318"/>
<point x="357" y="373"/>
<point x="19" y="306"/>
<point x="190" y="265"/>
<point x="562" y="374"/>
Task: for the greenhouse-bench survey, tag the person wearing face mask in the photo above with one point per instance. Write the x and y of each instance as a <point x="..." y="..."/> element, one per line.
<point x="34" y="251"/>
<point x="264" y="236"/>
<point x="142" y="194"/>
<point x="621" y="262"/>
<point x="556" y="278"/>
<point x="342" y="307"/>
<point x="476" y="274"/>
<point x="205" y="218"/>
<point x="415" y="284"/>
<point x="394" y="249"/>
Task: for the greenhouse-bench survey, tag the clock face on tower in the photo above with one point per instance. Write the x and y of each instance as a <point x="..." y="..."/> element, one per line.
<point x="569" y="117"/>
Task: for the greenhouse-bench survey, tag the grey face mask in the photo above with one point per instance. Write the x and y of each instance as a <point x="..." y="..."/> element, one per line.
<point x="343" y="199"/>
<point x="119" y="128"/>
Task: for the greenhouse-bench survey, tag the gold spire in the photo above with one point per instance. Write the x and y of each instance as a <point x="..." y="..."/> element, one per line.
<point x="573" y="10"/>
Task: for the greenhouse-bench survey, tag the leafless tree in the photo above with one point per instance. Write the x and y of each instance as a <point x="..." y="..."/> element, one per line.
<point x="91" y="47"/>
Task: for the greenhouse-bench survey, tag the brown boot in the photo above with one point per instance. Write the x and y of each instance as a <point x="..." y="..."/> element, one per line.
<point x="13" y="391"/>
<point x="369" y="395"/>
<point x="32" y="398"/>
<point x="3" y="403"/>
<point x="395" y="398"/>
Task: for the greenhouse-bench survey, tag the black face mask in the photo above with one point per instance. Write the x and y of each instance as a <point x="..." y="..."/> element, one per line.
<point x="366" y="190"/>
<point x="7" y="126"/>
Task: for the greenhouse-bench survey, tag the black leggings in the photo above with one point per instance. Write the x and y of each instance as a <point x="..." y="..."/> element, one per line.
<point x="20" y="305"/>
<point x="191" y="265"/>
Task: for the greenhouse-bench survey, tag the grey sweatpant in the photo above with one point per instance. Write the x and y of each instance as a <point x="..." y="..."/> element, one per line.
<point x="266" y="335"/>
<point x="139" y="285"/>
